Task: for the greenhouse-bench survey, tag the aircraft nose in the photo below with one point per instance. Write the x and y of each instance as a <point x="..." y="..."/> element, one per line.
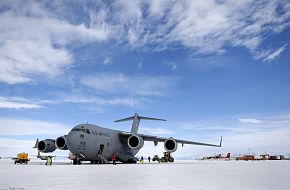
<point x="72" y="141"/>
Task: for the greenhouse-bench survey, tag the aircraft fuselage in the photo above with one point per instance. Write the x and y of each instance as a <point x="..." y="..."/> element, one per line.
<point x="92" y="142"/>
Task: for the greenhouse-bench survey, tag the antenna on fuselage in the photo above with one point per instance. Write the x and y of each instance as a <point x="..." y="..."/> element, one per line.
<point x="136" y="120"/>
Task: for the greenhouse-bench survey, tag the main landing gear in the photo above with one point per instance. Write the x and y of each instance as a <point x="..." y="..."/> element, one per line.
<point x="77" y="161"/>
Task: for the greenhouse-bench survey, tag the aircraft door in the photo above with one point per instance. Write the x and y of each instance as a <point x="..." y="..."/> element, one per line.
<point x="101" y="149"/>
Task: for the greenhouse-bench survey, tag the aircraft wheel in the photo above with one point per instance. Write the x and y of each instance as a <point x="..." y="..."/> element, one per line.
<point x="131" y="161"/>
<point x="75" y="162"/>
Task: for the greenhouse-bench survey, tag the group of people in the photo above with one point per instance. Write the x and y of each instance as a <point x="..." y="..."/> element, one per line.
<point x="114" y="158"/>
<point x="142" y="159"/>
<point x="48" y="161"/>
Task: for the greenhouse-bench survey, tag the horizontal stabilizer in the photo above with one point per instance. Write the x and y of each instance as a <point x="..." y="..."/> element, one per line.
<point x="140" y="117"/>
<point x="136" y="120"/>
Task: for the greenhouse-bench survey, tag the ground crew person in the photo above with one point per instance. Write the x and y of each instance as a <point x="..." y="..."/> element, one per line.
<point x="142" y="160"/>
<point x="149" y="159"/>
<point x="48" y="161"/>
<point x="114" y="158"/>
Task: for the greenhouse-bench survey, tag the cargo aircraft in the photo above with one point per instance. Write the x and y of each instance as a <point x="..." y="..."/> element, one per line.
<point x="87" y="142"/>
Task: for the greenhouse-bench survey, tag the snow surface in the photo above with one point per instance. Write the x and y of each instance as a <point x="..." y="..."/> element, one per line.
<point x="198" y="175"/>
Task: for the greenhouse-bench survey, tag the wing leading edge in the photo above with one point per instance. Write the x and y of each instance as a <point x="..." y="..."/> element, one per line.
<point x="156" y="139"/>
<point x="162" y="139"/>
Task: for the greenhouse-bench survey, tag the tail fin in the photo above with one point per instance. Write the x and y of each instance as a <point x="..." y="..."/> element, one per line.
<point x="136" y="120"/>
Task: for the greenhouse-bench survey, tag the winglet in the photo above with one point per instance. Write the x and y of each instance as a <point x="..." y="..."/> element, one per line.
<point x="36" y="143"/>
<point x="221" y="141"/>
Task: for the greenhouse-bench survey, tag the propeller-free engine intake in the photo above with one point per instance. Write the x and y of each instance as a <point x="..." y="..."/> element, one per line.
<point x="135" y="142"/>
<point x="47" y="145"/>
<point x="170" y="145"/>
<point x="60" y="143"/>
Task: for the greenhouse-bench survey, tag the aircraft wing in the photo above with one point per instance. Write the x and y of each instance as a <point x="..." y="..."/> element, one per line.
<point x="156" y="139"/>
<point x="162" y="139"/>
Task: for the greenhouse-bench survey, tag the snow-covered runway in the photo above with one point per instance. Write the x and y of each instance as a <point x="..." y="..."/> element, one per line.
<point x="198" y="175"/>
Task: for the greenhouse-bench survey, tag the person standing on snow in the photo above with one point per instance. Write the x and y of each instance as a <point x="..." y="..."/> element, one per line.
<point x="48" y="161"/>
<point x="114" y="158"/>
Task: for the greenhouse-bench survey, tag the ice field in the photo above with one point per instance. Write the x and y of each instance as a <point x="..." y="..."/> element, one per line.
<point x="197" y="175"/>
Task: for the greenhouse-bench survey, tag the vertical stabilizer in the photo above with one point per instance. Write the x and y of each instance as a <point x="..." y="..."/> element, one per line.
<point x="136" y="121"/>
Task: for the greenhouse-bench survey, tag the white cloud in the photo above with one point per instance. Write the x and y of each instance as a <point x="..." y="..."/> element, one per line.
<point x="18" y="103"/>
<point x="118" y="83"/>
<point x="12" y="126"/>
<point x="170" y="64"/>
<point x="11" y="147"/>
<point x="107" y="61"/>
<point x="275" y="54"/>
<point x="33" y="42"/>
<point x="275" y="140"/>
<point x="269" y="133"/>
<point x="202" y="26"/>
<point x="127" y="10"/>
<point x="158" y="7"/>
<point x="34" y="39"/>
<point x="250" y="121"/>
<point x="130" y="102"/>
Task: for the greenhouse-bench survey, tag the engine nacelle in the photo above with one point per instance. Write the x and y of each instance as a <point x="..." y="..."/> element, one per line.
<point x="60" y="143"/>
<point x="135" y="142"/>
<point x="170" y="145"/>
<point x="47" y="145"/>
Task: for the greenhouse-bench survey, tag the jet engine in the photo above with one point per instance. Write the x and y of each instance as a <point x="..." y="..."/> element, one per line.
<point x="170" y="145"/>
<point x="47" y="145"/>
<point x="135" y="142"/>
<point x="60" y="143"/>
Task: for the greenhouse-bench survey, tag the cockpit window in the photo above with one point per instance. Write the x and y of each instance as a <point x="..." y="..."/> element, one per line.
<point x="82" y="129"/>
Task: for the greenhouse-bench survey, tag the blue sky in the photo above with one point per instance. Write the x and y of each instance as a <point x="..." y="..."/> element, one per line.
<point x="210" y="68"/>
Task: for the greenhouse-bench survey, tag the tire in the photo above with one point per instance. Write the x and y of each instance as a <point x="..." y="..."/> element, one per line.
<point x="130" y="161"/>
